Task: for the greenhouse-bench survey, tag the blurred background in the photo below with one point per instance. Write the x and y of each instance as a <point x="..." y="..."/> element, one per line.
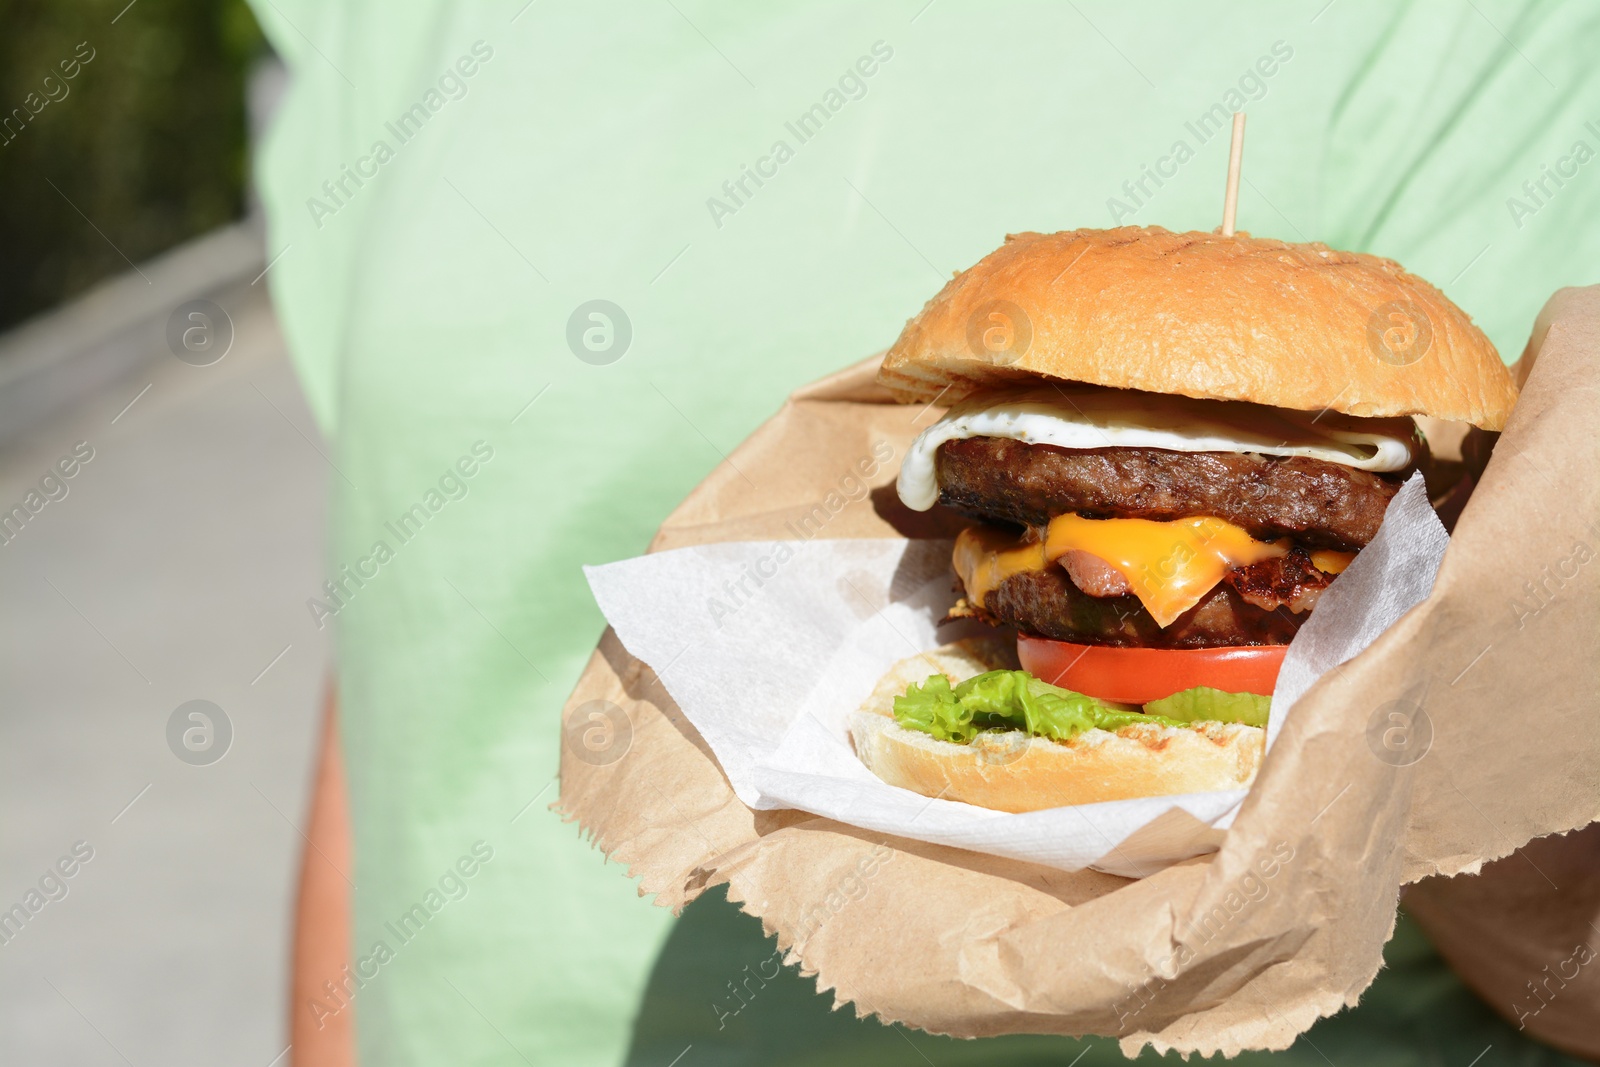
<point x="149" y="136"/>
<point x="171" y="565"/>
<point x="164" y="488"/>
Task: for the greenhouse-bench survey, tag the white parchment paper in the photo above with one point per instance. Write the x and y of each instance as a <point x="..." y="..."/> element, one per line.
<point x="768" y="646"/>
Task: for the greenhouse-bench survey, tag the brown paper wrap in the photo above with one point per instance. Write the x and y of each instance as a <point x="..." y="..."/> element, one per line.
<point x="1243" y="949"/>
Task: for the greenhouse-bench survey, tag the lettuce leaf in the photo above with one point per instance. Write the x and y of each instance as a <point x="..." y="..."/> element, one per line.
<point x="1016" y="700"/>
<point x="1204" y="704"/>
<point x="1008" y="700"/>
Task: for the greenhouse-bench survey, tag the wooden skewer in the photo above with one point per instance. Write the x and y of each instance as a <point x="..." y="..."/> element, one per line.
<point x="1230" y="203"/>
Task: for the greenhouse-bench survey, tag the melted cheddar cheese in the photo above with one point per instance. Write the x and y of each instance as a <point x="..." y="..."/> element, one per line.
<point x="985" y="556"/>
<point x="1170" y="566"/>
<point x="1328" y="561"/>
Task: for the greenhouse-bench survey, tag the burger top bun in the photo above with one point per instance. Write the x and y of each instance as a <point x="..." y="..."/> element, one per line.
<point x="1296" y="326"/>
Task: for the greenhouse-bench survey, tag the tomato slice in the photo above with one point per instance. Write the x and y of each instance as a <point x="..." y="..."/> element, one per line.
<point x="1140" y="675"/>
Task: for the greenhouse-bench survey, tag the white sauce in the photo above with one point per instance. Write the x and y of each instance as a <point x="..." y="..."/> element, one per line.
<point x="1079" y="416"/>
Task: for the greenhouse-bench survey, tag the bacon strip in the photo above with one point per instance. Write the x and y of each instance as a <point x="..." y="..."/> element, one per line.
<point x="1287" y="581"/>
<point x="1094" y="575"/>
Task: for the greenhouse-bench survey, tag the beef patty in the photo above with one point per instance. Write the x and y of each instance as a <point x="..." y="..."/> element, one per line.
<point x="1048" y="604"/>
<point x="1320" y="505"/>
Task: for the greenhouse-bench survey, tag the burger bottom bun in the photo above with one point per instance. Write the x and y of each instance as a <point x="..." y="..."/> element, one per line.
<point x="1010" y="771"/>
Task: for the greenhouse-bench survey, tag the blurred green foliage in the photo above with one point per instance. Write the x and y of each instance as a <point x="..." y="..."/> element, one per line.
<point x="146" y="140"/>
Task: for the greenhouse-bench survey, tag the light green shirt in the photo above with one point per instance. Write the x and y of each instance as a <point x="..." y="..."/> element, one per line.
<point x="768" y="191"/>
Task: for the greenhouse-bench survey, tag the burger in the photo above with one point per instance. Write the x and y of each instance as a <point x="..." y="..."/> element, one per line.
<point x="1170" y="446"/>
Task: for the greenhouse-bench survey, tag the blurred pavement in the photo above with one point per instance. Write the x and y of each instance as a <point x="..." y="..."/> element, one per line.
<point x="175" y="568"/>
